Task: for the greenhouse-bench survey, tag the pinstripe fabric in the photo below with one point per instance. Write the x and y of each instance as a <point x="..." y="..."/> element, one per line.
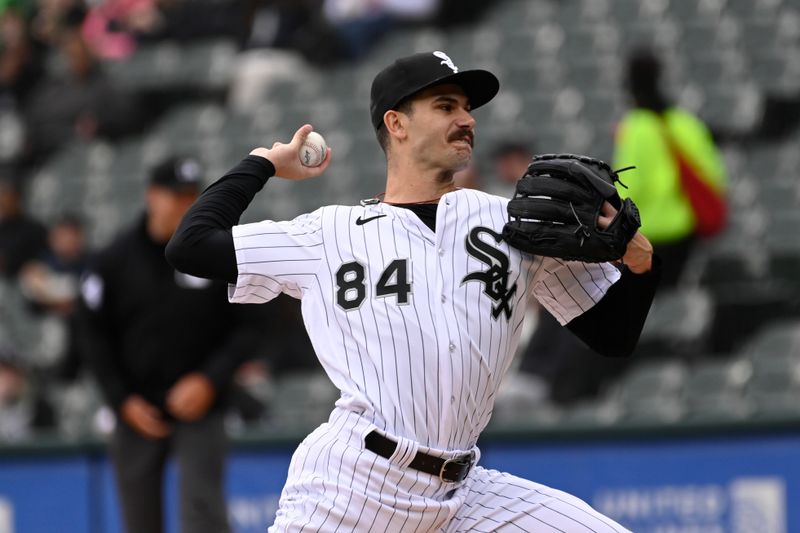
<point x="497" y="501"/>
<point x="335" y="485"/>
<point x="415" y="328"/>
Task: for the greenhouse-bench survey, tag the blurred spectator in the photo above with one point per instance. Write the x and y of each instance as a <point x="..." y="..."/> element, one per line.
<point x="455" y="12"/>
<point x="81" y="101"/>
<point x="282" y="37"/>
<point x="646" y="138"/>
<point x="360" y="24"/>
<point x="285" y="350"/>
<point x="163" y="347"/>
<point x="50" y="283"/>
<point x="50" y="16"/>
<point x="20" y="69"/>
<point x="326" y="32"/>
<point x="51" y="280"/>
<point x="510" y="160"/>
<point x="23" y="410"/>
<point x="295" y="25"/>
<point x="22" y="238"/>
<point x="186" y="20"/>
<point x="112" y="28"/>
<point x="20" y="56"/>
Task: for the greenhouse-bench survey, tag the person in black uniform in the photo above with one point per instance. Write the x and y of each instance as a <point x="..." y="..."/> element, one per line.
<point x="22" y="237"/>
<point x="163" y="346"/>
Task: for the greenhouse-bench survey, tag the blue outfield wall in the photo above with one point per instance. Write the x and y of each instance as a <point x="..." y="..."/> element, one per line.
<point x="714" y="485"/>
<point x="736" y="484"/>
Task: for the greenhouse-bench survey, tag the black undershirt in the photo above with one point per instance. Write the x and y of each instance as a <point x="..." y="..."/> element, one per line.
<point x="203" y="246"/>
<point x="425" y="212"/>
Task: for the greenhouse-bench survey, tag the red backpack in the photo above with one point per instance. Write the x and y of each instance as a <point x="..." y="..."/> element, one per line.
<point x="709" y="206"/>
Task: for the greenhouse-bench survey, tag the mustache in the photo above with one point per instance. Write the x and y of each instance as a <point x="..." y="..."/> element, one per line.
<point x="462" y="134"/>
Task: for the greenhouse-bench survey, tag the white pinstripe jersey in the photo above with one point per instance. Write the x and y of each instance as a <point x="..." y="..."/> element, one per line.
<point x="415" y="328"/>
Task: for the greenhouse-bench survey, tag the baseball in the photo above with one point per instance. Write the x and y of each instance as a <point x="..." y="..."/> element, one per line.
<point x="314" y="150"/>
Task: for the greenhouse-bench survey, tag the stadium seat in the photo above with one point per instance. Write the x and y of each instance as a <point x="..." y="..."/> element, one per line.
<point x="783" y="244"/>
<point x="774" y="389"/>
<point x="654" y="411"/>
<point x="778" y="340"/>
<point x="684" y="9"/>
<point x="594" y="413"/>
<point x="679" y="322"/>
<point x="714" y="389"/>
<point x="302" y="400"/>
<point x="732" y="259"/>
<point x="741" y="309"/>
<point x="709" y="376"/>
<point x="77" y="406"/>
<point x="202" y="66"/>
<point x="780" y="197"/>
<point x="651" y="378"/>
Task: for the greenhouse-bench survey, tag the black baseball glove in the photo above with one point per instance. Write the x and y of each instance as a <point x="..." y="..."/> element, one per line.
<point x="556" y="205"/>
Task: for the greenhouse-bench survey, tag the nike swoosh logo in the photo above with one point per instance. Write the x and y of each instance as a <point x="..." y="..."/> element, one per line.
<point x="361" y="221"/>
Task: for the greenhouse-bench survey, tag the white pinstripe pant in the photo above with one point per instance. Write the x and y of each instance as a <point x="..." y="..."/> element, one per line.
<point x="335" y="485"/>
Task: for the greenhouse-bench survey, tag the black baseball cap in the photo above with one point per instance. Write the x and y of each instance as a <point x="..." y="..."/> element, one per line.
<point x="181" y="174"/>
<point x="409" y="75"/>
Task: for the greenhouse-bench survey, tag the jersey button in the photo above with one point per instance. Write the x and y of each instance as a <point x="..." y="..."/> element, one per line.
<point x="441" y="251"/>
<point x="452" y="347"/>
<point x="444" y="298"/>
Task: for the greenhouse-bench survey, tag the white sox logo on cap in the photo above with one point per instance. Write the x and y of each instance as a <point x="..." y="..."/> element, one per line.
<point x="446" y="60"/>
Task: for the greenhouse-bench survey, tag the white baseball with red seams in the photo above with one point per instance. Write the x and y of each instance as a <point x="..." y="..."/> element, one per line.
<point x="314" y="150"/>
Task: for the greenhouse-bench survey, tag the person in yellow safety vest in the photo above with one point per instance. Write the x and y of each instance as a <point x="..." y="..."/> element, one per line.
<point x="643" y="139"/>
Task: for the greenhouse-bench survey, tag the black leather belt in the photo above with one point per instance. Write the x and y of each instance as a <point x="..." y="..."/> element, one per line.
<point x="449" y="470"/>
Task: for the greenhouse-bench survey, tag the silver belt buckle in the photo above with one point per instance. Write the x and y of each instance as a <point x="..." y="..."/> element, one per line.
<point x="459" y="461"/>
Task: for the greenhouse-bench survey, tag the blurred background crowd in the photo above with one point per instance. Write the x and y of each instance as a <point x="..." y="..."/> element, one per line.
<point x="95" y="93"/>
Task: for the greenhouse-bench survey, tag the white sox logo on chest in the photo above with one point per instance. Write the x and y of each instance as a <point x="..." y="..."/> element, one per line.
<point x="495" y="278"/>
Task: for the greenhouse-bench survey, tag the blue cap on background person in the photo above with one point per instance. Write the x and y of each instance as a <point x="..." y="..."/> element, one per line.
<point x="180" y="174"/>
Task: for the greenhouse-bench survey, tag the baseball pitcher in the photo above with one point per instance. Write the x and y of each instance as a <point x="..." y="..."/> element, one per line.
<point x="414" y="303"/>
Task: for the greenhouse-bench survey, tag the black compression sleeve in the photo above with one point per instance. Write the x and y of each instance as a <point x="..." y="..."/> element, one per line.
<point x="203" y="245"/>
<point x="612" y="327"/>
